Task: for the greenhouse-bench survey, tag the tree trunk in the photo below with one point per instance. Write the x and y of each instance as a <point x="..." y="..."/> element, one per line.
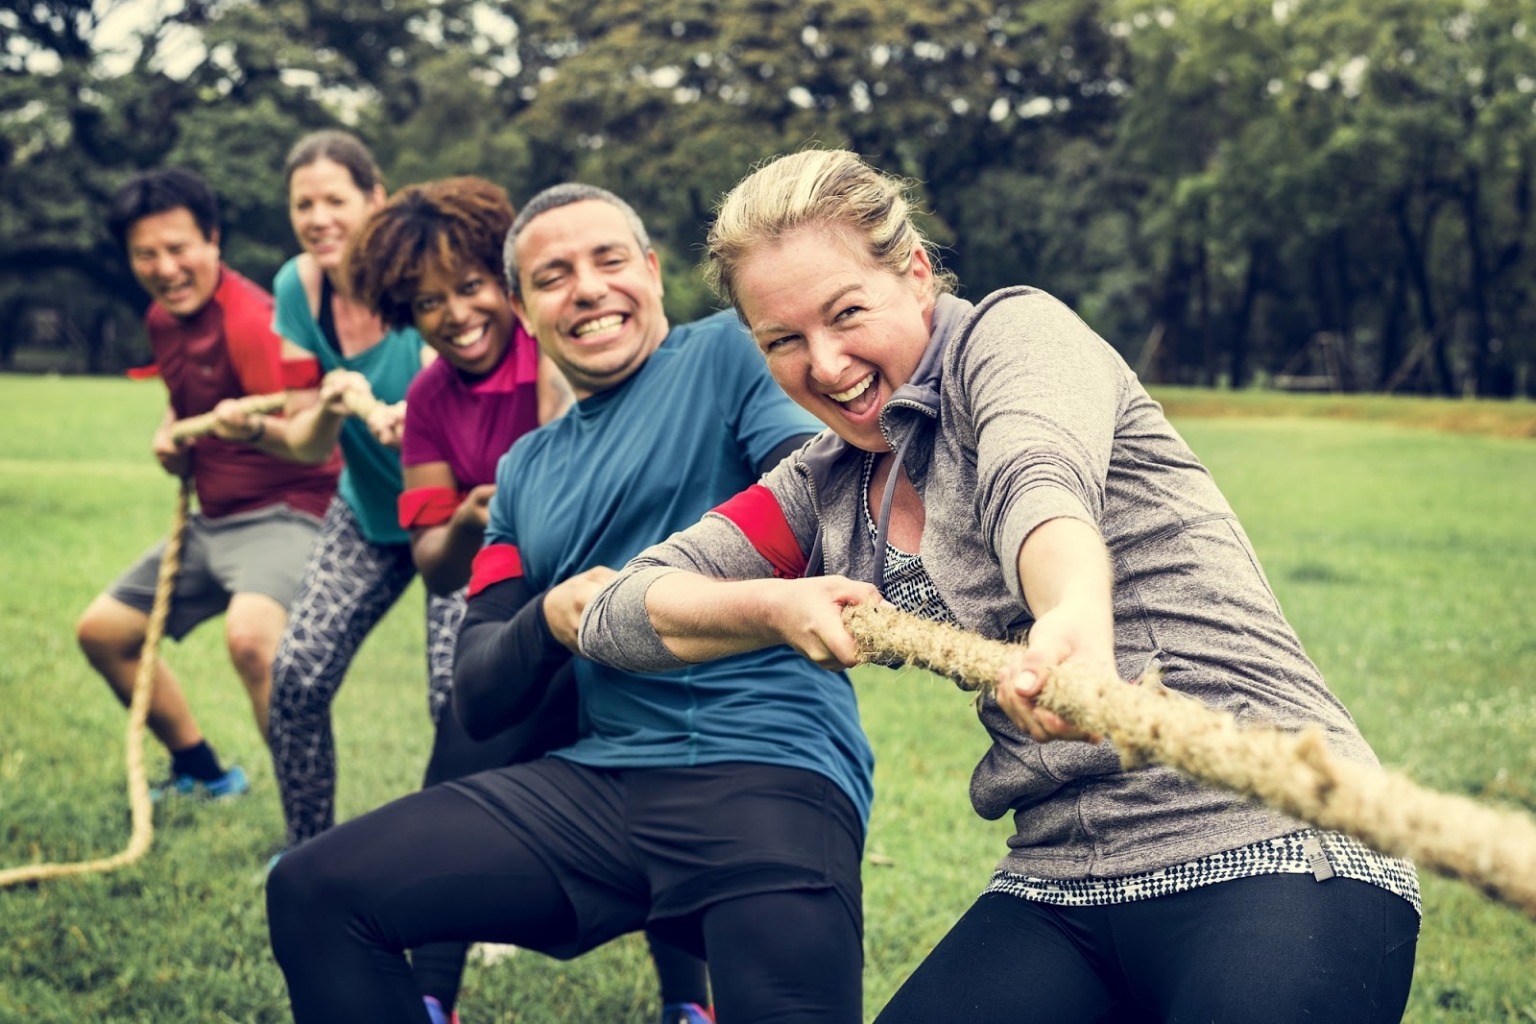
<point x="12" y="312"/>
<point x="1238" y="346"/>
<point x="1172" y="304"/>
<point x="1391" y="354"/>
<point x="1415" y="250"/>
<point x="1477" y="282"/>
<point x="1207" y="338"/>
<point x="1344" y="350"/>
<point x="1305" y="357"/>
<point x="103" y="342"/>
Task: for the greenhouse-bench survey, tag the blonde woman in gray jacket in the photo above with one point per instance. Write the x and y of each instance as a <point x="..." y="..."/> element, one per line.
<point x="998" y="466"/>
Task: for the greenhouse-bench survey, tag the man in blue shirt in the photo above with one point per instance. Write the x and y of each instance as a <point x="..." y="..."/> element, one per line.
<point x="722" y="806"/>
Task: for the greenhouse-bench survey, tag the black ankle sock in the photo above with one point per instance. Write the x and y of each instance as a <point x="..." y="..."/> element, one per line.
<point x="198" y="761"/>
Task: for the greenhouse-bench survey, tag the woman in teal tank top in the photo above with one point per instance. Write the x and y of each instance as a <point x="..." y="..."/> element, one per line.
<point x="361" y="562"/>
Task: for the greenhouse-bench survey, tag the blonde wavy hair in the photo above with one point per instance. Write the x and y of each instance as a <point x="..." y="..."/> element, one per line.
<point x="826" y="188"/>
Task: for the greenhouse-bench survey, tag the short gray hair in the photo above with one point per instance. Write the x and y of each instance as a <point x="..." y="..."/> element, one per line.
<point x="553" y="198"/>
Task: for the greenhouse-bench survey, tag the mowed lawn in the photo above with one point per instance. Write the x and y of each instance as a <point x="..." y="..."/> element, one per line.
<point x="1405" y="557"/>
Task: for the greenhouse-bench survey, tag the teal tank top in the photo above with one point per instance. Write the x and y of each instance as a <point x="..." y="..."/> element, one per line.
<point x="370" y="480"/>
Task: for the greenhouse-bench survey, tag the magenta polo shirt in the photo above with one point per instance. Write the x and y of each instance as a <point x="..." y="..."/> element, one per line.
<point x="470" y="425"/>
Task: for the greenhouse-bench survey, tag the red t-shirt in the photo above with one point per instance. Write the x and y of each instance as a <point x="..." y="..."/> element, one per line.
<point x="228" y="350"/>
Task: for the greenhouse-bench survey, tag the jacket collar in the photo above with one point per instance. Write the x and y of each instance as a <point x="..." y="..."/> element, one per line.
<point x="922" y="389"/>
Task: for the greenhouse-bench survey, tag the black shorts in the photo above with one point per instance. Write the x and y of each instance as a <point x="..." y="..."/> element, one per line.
<point x="653" y="847"/>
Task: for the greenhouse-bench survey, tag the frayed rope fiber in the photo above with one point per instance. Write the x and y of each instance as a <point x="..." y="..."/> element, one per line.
<point x="1294" y="772"/>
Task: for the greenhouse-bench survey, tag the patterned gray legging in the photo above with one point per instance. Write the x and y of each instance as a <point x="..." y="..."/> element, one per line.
<point x="348" y="585"/>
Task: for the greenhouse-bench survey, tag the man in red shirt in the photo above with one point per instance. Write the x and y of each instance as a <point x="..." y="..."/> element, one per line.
<point x="245" y="548"/>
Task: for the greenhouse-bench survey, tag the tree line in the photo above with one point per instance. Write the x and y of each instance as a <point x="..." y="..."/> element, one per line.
<point x="1302" y="193"/>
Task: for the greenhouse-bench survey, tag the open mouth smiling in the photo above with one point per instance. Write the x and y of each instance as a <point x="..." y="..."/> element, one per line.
<point x="843" y="397"/>
<point x="598" y="325"/>
<point x="465" y="339"/>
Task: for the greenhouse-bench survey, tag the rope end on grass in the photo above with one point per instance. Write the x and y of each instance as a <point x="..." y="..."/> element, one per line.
<point x="140" y="809"/>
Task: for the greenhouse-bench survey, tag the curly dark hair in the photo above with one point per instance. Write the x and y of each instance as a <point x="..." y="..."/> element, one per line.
<point x="454" y="222"/>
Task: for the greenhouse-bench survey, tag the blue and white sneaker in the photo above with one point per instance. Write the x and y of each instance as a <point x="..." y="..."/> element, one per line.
<point x="686" y="1013"/>
<point x="232" y="783"/>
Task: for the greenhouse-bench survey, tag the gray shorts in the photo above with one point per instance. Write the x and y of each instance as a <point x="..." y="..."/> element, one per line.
<point x="260" y="552"/>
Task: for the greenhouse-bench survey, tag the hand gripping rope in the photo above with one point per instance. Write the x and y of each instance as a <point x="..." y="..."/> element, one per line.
<point x="1294" y="772"/>
<point x="358" y="405"/>
<point x="198" y="426"/>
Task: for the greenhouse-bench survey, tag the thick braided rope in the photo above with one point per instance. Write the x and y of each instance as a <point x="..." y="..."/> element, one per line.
<point x="1492" y="850"/>
<point x="138" y="713"/>
<point x="197" y="426"/>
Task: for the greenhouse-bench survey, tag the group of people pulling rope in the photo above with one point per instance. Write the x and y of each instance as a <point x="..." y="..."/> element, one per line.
<point x="648" y="568"/>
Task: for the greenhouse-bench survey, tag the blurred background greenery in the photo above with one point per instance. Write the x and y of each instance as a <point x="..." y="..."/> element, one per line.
<point x="1306" y="194"/>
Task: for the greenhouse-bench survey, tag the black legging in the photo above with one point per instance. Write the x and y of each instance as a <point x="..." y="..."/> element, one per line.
<point x="1275" y="949"/>
<point x="514" y="700"/>
<point x="440" y="966"/>
<point x="344" y="906"/>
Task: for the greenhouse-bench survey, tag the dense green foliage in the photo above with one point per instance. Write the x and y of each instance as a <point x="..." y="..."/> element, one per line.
<point x="1230" y="190"/>
<point x="1403" y="557"/>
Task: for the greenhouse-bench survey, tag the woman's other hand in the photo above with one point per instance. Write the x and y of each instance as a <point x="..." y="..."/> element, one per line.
<point x="1064" y="634"/>
<point x="387" y="424"/>
<point x="700" y="619"/>
<point x="474" y="512"/>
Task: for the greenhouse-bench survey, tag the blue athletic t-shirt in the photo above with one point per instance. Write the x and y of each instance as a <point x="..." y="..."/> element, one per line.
<point x="625" y="469"/>
<point x="370" y="478"/>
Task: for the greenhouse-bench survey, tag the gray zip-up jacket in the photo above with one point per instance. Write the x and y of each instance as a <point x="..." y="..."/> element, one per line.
<point x="1017" y="414"/>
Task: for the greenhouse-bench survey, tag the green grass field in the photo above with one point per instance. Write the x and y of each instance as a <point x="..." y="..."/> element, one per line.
<point x="1404" y="557"/>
